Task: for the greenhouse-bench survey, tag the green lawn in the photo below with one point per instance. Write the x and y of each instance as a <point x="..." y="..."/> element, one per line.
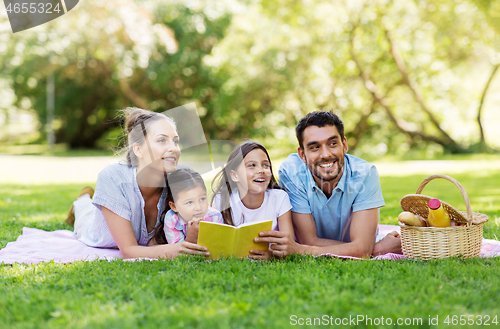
<point x="190" y="292"/>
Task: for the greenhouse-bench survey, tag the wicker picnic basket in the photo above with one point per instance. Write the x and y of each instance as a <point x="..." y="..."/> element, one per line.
<point x="441" y="242"/>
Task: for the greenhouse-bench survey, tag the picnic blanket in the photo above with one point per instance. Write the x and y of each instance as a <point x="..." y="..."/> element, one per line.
<point x="35" y="246"/>
<point x="62" y="246"/>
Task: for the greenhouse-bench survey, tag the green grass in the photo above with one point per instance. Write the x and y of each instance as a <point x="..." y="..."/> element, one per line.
<point x="190" y="292"/>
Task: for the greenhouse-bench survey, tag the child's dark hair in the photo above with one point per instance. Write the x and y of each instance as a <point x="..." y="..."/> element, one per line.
<point x="183" y="179"/>
<point x="224" y="185"/>
<point x="319" y="119"/>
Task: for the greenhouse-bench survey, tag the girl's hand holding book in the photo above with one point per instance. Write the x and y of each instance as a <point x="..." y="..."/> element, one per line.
<point x="282" y="243"/>
<point x="260" y="254"/>
<point x="192" y="230"/>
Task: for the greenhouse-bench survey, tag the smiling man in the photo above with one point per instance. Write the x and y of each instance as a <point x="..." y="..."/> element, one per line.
<point x="335" y="196"/>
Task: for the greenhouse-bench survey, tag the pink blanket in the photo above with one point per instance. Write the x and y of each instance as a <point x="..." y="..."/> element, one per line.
<point x="62" y="246"/>
<point x="35" y="246"/>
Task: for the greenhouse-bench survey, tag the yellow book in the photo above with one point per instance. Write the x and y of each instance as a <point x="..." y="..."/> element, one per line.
<point x="224" y="240"/>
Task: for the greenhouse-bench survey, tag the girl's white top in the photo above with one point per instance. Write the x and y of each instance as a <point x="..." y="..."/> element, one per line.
<point x="275" y="204"/>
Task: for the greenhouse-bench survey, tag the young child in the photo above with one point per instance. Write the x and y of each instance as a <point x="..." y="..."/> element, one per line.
<point x="188" y="204"/>
<point x="246" y="191"/>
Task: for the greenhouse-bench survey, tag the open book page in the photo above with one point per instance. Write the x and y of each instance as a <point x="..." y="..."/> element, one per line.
<point x="245" y="235"/>
<point x="253" y="223"/>
<point x="224" y="240"/>
<point x="218" y="238"/>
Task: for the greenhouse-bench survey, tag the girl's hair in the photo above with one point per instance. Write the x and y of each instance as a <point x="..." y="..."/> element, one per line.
<point x="223" y="185"/>
<point x="181" y="180"/>
<point x="136" y="123"/>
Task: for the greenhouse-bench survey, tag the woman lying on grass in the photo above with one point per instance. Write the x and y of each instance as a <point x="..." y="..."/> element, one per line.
<point x="130" y="198"/>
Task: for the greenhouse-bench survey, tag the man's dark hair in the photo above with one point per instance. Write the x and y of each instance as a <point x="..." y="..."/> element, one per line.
<point x="319" y="119"/>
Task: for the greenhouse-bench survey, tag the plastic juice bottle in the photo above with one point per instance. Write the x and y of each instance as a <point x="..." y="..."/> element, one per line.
<point x="438" y="216"/>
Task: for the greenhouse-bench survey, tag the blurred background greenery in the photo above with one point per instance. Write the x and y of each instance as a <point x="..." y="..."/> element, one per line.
<point x="416" y="78"/>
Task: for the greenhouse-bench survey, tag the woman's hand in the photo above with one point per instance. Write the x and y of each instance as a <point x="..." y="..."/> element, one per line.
<point x="123" y="234"/>
<point x="186" y="248"/>
<point x="282" y="243"/>
<point x="192" y="230"/>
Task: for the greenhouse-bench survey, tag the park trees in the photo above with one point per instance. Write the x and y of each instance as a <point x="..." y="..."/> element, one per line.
<point x="108" y="56"/>
<point x="402" y="74"/>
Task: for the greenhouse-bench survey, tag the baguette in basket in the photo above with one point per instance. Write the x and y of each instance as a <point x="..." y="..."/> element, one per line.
<point x="411" y="219"/>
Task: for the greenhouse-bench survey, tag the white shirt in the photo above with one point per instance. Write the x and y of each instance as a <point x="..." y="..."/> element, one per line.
<point x="275" y="204"/>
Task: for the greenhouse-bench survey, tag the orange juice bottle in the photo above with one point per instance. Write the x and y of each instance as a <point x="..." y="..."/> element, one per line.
<point x="438" y="216"/>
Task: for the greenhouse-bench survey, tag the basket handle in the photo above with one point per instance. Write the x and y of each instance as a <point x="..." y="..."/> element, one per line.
<point x="457" y="184"/>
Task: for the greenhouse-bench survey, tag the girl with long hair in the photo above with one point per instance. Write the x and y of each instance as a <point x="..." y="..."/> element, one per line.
<point x="246" y="191"/>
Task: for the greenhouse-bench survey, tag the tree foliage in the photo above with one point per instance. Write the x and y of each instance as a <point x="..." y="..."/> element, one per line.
<point x="110" y="56"/>
<point x="323" y="55"/>
<point x="401" y="74"/>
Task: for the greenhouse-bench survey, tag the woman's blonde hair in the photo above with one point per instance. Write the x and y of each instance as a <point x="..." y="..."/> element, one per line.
<point x="134" y="118"/>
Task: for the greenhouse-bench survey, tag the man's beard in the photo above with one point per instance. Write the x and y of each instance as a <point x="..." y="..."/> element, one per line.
<point x="317" y="163"/>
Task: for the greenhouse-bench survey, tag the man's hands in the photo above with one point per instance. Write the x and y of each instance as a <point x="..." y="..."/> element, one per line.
<point x="192" y="230"/>
<point x="390" y="243"/>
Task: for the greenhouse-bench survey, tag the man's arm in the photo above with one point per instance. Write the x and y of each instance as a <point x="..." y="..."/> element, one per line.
<point x="362" y="231"/>
<point x="306" y="233"/>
